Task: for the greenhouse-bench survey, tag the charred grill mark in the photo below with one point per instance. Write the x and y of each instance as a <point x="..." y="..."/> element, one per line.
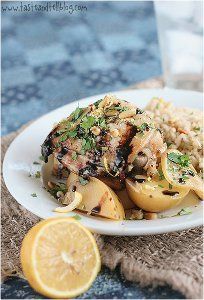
<point x="139" y="111"/>
<point x="74" y="188"/>
<point x="140" y="180"/>
<point x="64" y="151"/>
<point x="96" y="209"/>
<point x="47" y="147"/>
<point x="126" y="140"/>
<point x="170" y="193"/>
<point x="90" y="170"/>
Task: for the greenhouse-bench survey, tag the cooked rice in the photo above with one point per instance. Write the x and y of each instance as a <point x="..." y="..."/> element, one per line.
<point x="182" y="129"/>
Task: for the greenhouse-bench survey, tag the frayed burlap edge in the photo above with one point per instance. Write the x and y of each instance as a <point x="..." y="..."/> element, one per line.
<point x="135" y="271"/>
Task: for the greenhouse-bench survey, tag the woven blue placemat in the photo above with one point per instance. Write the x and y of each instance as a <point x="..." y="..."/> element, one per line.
<point x="52" y="58"/>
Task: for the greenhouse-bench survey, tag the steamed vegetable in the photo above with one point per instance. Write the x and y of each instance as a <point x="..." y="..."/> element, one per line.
<point x="179" y="171"/>
<point x="97" y="198"/>
<point x="154" y="195"/>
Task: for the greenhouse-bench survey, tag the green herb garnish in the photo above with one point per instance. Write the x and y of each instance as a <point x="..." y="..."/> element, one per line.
<point x="69" y="134"/>
<point x="74" y="156"/>
<point x="87" y="144"/>
<point x="102" y="122"/>
<point x="196" y="128"/>
<point x="57" y="187"/>
<point x="170" y="186"/>
<point x="144" y="127"/>
<point x="41" y="158"/>
<point x="163" y="216"/>
<point x="72" y="134"/>
<point x="168" y="144"/>
<point x="33" y="195"/>
<point x="180" y="159"/>
<point x="83" y="181"/>
<point x="161" y="175"/>
<point x="184" y="211"/>
<point x="97" y="103"/>
<point x="37" y="174"/>
<point x="161" y="186"/>
<point x="88" y="122"/>
<point x="76" y="217"/>
<point x="77" y="113"/>
<point x="120" y="108"/>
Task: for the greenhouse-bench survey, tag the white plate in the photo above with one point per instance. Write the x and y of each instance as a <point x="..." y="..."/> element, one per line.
<point x="25" y="149"/>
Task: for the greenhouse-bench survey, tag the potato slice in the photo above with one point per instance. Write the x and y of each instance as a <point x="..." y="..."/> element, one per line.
<point x="179" y="172"/>
<point x="154" y="196"/>
<point x="97" y="198"/>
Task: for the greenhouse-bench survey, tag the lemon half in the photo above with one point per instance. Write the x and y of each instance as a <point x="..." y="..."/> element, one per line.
<point x="60" y="258"/>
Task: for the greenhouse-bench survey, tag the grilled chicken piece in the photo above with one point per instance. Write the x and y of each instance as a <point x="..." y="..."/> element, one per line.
<point x="108" y="139"/>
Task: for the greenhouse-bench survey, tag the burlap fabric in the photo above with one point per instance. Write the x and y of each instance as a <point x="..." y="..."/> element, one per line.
<point x="175" y="259"/>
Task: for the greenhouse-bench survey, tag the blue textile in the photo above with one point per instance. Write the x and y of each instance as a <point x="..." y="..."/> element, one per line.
<point x="53" y="58"/>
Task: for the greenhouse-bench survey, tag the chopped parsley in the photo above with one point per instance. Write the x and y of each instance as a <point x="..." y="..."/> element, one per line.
<point x="168" y="144"/>
<point x="196" y="128"/>
<point x="170" y="186"/>
<point x="41" y="158"/>
<point x="76" y="217"/>
<point x="77" y="113"/>
<point x="37" y="174"/>
<point x="180" y="159"/>
<point x="161" y="186"/>
<point x="120" y="108"/>
<point x="83" y="181"/>
<point x="88" y="122"/>
<point x="87" y="144"/>
<point x="69" y="134"/>
<point x="74" y="156"/>
<point x="57" y="187"/>
<point x="97" y="103"/>
<point x="161" y="175"/>
<point x="183" y="178"/>
<point x="72" y="134"/>
<point x="144" y="127"/>
<point x="184" y="211"/>
<point x="102" y="122"/>
<point x="33" y="195"/>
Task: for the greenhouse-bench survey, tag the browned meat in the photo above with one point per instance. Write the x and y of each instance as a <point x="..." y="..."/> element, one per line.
<point x="110" y="138"/>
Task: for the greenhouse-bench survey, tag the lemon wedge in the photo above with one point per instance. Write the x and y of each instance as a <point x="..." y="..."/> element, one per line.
<point x="60" y="258"/>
